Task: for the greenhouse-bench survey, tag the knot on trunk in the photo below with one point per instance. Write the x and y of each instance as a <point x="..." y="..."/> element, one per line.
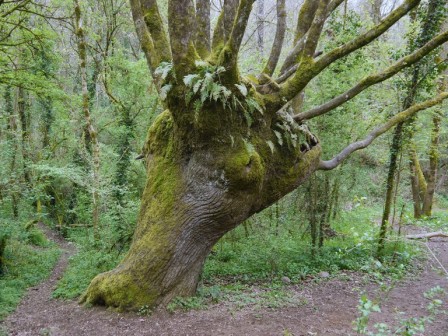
<point x="244" y="167"/>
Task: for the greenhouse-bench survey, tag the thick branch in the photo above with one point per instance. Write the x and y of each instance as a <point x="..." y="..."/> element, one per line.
<point x="181" y="21"/>
<point x="203" y="27"/>
<point x="374" y="79"/>
<point x="309" y="69"/>
<point x="400" y="117"/>
<point x="306" y="17"/>
<point x="224" y="24"/>
<point x="239" y="26"/>
<point x="278" y="40"/>
<point x="228" y="56"/>
<point x="367" y="37"/>
<point x="144" y="36"/>
<point x="154" y="23"/>
<point x="315" y="29"/>
<point x="305" y="21"/>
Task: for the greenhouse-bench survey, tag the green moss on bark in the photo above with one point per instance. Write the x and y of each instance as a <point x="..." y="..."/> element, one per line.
<point x="244" y="168"/>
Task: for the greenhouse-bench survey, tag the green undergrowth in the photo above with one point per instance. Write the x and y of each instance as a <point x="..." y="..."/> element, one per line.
<point x="249" y="266"/>
<point x="27" y="260"/>
<point x="92" y="258"/>
<point x="238" y="296"/>
<point x="437" y="222"/>
<point x="275" y="252"/>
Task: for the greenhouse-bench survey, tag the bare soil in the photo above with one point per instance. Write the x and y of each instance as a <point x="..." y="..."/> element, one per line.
<point x="327" y="307"/>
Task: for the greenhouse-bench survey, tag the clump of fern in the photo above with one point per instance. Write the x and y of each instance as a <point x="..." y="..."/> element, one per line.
<point x="206" y="85"/>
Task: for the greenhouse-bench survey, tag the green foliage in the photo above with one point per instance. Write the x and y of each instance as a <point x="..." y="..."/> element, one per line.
<point x="438" y="221"/>
<point x="164" y="70"/>
<point x="274" y="251"/>
<point x="37" y="238"/>
<point x="237" y="297"/>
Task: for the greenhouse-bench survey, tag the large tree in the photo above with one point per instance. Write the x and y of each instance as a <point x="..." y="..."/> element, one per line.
<point x="227" y="146"/>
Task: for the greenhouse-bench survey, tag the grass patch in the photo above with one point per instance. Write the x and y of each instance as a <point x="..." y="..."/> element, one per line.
<point x="269" y="254"/>
<point x="85" y="265"/>
<point x="437" y="222"/>
<point x="238" y="296"/>
<point x="24" y="266"/>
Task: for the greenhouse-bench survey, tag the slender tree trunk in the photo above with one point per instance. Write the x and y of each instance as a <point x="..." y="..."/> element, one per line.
<point x="82" y="51"/>
<point x="397" y="185"/>
<point x="418" y="182"/>
<point x="11" y="131"/>
<point x="415" y="190"/>
<point x="435" y="140"/>
<point x="24" y="134"/>
<point x="394" y="151"/>
<point x="433" y="165"/>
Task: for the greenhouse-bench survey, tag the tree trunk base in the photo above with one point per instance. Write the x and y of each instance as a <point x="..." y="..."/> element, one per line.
<point x="119" y="290"/>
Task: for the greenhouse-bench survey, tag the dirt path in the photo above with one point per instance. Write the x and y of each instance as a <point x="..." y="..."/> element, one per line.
<point x="327" y="308"/>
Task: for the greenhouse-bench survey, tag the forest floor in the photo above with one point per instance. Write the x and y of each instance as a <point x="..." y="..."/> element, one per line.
<point x="319" y="306"/>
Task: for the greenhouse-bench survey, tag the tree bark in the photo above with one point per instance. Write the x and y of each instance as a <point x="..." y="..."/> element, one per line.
<point x="191" y="199"/>
<point x="260" y="27"/>
<point x="24" y="134"/>
<point x="394" y="151"/>
<point x="415" y="189"/>
<point x="433" y="165"/>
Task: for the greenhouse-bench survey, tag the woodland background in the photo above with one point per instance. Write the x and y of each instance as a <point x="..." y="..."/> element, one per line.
<point x="87" y="184"/>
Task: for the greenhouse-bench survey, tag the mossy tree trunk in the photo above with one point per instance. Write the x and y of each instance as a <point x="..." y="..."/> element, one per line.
<point x="225" y="147"/>
<point x="197" y="190"/>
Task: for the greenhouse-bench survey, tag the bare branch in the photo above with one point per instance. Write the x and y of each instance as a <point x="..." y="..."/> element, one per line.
<point x="398" y="118"/>
<point x="306" y="17"/>
<point x="278" y="40"/>
<point x="288" y="73"/>
<point x="228" y="54"/>
<point x="239" y="26"/>
<point x="315" y="30"/>
<point x="203" y="27"/>
<point x="333" y="5"/>
<point x="374" y="79"/>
